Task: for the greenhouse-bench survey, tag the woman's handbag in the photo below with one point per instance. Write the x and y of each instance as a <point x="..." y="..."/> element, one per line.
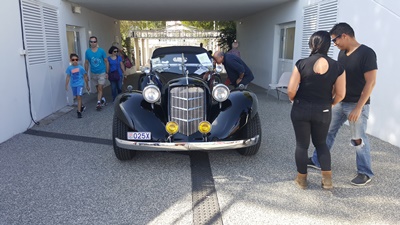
<point x="114" y="75"/>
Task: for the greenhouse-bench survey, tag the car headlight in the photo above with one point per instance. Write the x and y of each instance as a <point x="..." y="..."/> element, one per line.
<point x="220" y="92"/>
<point x="218" y="68"/>
<point x="151" y="93"/>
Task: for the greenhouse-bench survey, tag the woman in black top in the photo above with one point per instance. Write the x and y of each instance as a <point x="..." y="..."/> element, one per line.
<point x="317" y="83"/>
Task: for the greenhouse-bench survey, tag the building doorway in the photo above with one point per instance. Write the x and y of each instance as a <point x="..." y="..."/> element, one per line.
<point x="74" y="42"/>
<point x="286" y="48"/>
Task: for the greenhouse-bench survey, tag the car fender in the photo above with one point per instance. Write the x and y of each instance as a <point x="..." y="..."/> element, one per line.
<point x="138" y="115"/>
<point x="233" y="114"/>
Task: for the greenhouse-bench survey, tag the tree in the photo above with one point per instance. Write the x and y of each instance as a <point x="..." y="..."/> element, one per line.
<point x="227" y="36"/>
<point x="200" y="25"/>
<point x="227" y="29"/>
<point x="126" y="28"/>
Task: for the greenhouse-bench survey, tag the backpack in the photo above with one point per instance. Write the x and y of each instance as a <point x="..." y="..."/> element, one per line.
<point x="127" y="62"/>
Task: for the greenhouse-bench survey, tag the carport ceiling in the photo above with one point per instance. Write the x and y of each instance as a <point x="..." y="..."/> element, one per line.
<point x="164" y="10"/>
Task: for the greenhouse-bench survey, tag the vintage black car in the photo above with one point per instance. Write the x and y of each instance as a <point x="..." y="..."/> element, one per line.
<point x="180" y="105"/>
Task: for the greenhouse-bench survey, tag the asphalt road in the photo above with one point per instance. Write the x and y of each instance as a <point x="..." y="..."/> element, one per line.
<point x="64" y="171"/>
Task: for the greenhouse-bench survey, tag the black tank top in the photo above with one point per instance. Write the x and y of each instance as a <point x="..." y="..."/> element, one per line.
<point x="317" y="87"/>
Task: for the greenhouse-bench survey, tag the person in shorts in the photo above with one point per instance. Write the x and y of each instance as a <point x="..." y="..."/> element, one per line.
<point x="77" y="78"/>
<point x="96" y="58"/>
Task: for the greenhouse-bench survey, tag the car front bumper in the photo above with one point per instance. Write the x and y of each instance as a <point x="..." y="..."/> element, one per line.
<point x="186" y="146"/>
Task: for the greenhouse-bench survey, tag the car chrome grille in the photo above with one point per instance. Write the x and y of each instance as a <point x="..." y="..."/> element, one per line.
<point x="187" y="108"/>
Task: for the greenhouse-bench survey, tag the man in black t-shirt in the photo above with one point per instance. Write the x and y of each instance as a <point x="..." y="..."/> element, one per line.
<point x="361" y="68"/>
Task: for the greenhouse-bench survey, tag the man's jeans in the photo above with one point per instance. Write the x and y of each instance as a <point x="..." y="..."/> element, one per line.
<point x="340" y="113"/>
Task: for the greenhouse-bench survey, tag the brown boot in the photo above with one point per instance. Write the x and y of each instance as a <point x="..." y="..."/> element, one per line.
<point x="301" y="180"/>
<point x="327" y="179"/>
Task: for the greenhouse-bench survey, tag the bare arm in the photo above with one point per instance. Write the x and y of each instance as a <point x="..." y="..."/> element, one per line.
<point x="85" y="76"/>
<point x="107" y="65"/>
<point x="86" y="65"/>
<point x="293" y="84"/>
<point x="122" y="68"/>
<point x="67" y="82"/>
<point x="240" y="78"/>
<point x="370" y="78"/>
<point x="339" y="89"/>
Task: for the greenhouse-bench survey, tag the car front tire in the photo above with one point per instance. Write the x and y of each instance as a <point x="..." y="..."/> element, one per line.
<point x="252" y="128"/>
<point x="120" y="131"/>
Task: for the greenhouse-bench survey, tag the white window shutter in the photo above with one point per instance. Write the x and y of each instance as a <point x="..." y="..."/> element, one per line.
<point x="309" y="27"/>
<point x="52" y="33"/>
<point x="33" y="30"/>
<point x="42" y="33"/>
<point x="320" y="16"/>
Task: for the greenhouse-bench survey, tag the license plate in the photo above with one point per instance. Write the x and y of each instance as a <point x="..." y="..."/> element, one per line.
<point x="139" y="135"/>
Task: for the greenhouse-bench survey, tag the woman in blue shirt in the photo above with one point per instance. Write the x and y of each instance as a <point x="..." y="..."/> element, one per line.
<point x="116" y="71"/>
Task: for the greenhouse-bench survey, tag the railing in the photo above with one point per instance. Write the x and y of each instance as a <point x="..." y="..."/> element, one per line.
<point x="207" y="34"/>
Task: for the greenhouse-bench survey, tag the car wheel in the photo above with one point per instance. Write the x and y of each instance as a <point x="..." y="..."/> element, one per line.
<point x="120" y="131"/>
<point x="252" y="128"/>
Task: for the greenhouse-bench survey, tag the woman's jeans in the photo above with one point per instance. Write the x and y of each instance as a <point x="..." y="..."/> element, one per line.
<point x="358" y="129"/>
<point x="311" y="119"/>
<point x="116" y="88"/>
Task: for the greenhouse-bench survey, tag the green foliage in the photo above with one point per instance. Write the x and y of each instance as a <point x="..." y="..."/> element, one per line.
<point x="127" y="26"/>
<point x="200" y="25"/>
<point x="227" y="36"/>
<point x="225" y="40"/>
<point x="227" y="29"/>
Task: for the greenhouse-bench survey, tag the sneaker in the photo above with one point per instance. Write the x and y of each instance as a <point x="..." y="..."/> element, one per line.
<point x="83" y="108"/>
<point x="103" y="101"/>
<point x="79" y="114"/>
<point x="98" y="107"/>
<point x="360" y="180"/>
<point x="311" y="164"/>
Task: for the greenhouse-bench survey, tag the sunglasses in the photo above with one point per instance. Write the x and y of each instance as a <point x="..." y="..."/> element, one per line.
<point x="334" y="40"/>
<point x="74" y="60"/>
<point x="115" y="51"/>
<point x="93" y="41"/>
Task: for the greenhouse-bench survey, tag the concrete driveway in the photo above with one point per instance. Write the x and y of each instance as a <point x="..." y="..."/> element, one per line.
<point x="64" y="171"/>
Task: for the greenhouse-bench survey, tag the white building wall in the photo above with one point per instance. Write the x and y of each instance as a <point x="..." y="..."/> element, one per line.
<point x="376" y="24"/>
<point x="259" y="41"/>
<point x="15" y="114"/>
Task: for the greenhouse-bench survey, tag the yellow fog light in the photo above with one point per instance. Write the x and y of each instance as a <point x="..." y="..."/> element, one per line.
<point x="204" y="127"/>
<point x="172" y="127"/>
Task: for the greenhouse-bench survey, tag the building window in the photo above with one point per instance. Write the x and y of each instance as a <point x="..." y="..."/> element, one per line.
<point x="74" y="43"/>
<point x="286" y="46"/>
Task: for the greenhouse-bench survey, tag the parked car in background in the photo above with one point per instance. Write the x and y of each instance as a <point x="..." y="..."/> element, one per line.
<point x="181" y="105"/>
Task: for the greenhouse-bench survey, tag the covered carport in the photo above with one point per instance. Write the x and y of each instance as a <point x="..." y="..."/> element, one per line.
<point x="208" y="10"/>
<point x="64" y="171"/>
<point x="160" y="10"/>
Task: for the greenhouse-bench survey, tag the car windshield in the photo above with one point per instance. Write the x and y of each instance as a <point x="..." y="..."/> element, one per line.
<point x="195" y="64"/>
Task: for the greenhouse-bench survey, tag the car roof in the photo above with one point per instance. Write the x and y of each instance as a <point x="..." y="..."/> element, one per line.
<point x="178" y="50"/>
